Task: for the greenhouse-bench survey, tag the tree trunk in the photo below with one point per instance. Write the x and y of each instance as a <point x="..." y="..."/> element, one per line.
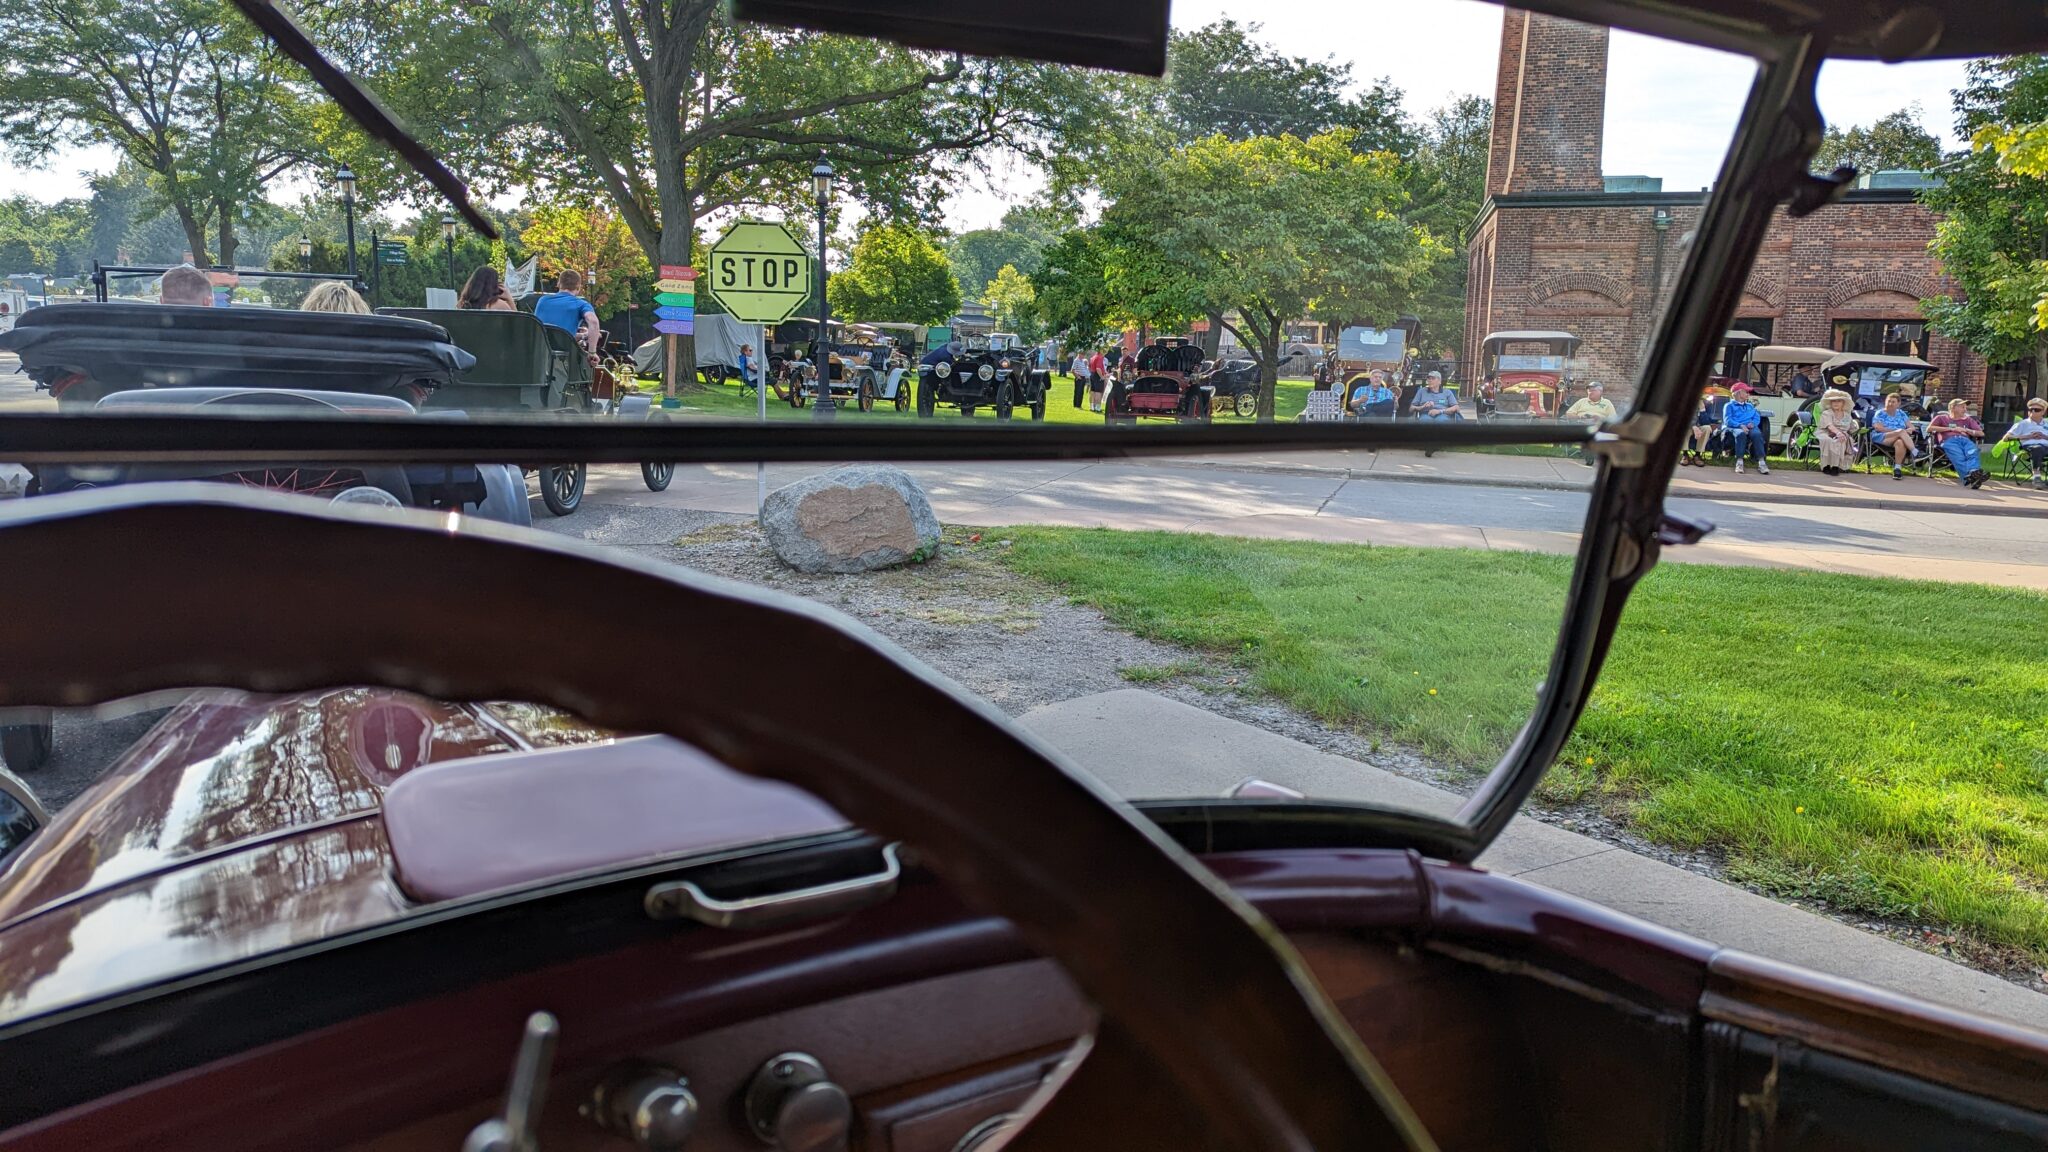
<point x="2040" y="364"/>
<point x="195" y="233"/>
<point x="226" y="238"/>
<point x="1269" y="369"/>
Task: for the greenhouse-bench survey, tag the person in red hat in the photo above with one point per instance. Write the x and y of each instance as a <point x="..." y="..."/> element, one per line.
<point x="1745" y="428"/>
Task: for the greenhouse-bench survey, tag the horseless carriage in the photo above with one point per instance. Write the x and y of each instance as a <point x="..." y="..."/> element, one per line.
<point x="991" y="371"/>
<point x="1529" y="381"/>
<point x="1164" y="382"/>
<point x="1235" y="384"/>
<point x="523" y="366"/>
<point x="348" y="892"/>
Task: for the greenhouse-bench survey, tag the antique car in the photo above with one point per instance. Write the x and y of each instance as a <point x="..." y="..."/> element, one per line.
<point x="1769" y="370"/>
<point x="1234" y="383"/>
<point x="989" y="372"/>
<point x="343" y="894"/>
<point x="522" y="366"/>
<point x="1362" y="351"/>
<point x="1164" y="381"/>
<point x="1528" y="381"/>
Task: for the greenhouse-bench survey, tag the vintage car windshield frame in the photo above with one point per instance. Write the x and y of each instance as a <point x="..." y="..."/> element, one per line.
<point x="1765" y="166"/>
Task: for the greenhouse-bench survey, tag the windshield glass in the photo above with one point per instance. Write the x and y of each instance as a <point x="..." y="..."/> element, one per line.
<point x="1445" y="217"/>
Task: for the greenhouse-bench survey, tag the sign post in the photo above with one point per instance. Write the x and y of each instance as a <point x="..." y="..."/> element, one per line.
<point x="675" y="314"/>
<point x="761" y="274"/>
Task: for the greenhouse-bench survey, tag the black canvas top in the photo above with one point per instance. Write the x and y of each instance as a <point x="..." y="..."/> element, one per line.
<point x="158" y="345"/>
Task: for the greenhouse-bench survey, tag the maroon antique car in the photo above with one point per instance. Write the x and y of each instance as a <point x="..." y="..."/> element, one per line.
<point x="1167" y="383"/>
<point x="318" y="905"/>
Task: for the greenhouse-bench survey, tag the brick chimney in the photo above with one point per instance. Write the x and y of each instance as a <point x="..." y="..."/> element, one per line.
<point x="1548" y="105"/>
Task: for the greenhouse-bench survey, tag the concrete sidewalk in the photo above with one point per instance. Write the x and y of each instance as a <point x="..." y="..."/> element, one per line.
<point x="1145" y="745"/>
<point x="1787" y="484"/>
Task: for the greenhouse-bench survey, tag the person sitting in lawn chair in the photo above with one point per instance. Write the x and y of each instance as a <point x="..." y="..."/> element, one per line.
<point x="1958" y="432"/>
<point x="1836" y="428"/>
<point x="1372" y="397"/>
<point x="2030" y="435"/>
<point x="1435" y="402"/>
<point x="1744" y="425"/>
<point x="1891" y="431"/>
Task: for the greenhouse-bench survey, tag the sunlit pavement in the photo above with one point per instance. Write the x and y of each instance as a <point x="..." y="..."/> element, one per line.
<point x="1928" y="541"/>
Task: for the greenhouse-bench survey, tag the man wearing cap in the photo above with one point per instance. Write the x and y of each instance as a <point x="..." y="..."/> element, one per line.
<point x="1433" y="402"/>
<point x="1744" y="425"/>
<point x="1592" y="408"/>
<point x="2031" y="434"/>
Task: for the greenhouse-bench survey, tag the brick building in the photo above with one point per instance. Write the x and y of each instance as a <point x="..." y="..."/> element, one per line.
<point x="1560" y="246"/>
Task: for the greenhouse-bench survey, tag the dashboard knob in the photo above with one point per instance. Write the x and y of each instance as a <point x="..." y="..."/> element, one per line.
<point x="791" y="1104"/>
<point x="649" y="1104"/>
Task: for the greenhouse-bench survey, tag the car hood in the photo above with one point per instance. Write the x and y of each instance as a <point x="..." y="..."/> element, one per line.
<point x="223" y="770"/>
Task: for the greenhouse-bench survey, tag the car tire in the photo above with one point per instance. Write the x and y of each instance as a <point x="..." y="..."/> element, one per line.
<point x="903" y="396"/>
<point x="1038" y="407"/>
<point x="657" y="475"/>
<point x="1003" y="405"/>
<point x="26" y="746"/>
<point x="865" y="395"/>
<point x="714" y="374"/>
<point x="927" y="399"/>
<point x="1246" y="404"/>
<point x="561" y="487"/>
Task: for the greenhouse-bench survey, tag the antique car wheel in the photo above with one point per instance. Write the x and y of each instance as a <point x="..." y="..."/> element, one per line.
<point x="1247" y="403"/>
<point x="1212" y="1031"/>
<point x="1003" y="405"/>
<point x="902" y="399"/>
<point x="26" y="746"/>
<point x="927" y="401"/>
<point x="561" y="486"/>
<point x="1038" y="407"/>
<point x="714" y="374"/>
<point x="866" y="396"/>
<point x="657" y="476"/>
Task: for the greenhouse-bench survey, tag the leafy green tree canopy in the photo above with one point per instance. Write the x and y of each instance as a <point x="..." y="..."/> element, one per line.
<point x="1269" y="229"/>
<point x="1894" y="142"/>
<point x="1222" y="79"/>
<point x="1009" y="298"/>
<point x="897" y="274"/>
<point x="1993" y="201"/>
<point x="186" y="90"/>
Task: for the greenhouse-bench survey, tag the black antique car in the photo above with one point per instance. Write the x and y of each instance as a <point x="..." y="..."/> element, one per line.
<point x="1235" y="384"/>
<point x="986" y="373"/>
<point x="1165" y="383"/>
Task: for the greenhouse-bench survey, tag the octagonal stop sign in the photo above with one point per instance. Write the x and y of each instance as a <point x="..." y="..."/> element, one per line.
<point x="760" y="273"/>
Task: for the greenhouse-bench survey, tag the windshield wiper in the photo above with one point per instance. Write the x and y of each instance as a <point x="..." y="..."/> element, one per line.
<point x="363" y="108"/>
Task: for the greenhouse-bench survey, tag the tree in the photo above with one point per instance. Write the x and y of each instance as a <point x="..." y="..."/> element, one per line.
<point x="1269" y="229"/>
<point x="1993" y="201"/>
<point x="1446" y="185"/>
<point x="977" y="256"/>
<point x="1071" y="297"/>
<point x="591" y="239"/>
<point x="1223" y="80"/>
<point x="186" y="90"/>
<point x="1009" y="298"/>
<point x="897" y="274"/>
<point x="1894" y="142"/>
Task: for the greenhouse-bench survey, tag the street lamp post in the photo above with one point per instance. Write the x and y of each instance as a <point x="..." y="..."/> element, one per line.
<point x="448" y="242"/>
<point x="345" y="180"/>
<point x="305" y="252"/>
<point x="821" y="183"/>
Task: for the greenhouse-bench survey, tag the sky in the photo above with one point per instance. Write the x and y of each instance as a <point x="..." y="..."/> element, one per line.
<point x="1671" y="108"/>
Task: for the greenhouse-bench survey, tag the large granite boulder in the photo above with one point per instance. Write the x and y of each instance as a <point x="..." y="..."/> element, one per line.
<point x="852" y="519"/>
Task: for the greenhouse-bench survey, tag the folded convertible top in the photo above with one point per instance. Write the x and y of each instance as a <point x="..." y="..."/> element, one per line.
<point x="156" y="346"/>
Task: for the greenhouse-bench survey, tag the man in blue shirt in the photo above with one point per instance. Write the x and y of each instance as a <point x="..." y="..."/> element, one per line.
<point x="1371" y="397"/>
<point x="1744" y="425"/>
<point x="565" y="309"/>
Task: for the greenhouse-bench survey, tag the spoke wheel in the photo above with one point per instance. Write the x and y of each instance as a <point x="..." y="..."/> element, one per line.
<point x="561" y="487"/>
<point x="656" y="475"/>
<point x="1247" y="403"/>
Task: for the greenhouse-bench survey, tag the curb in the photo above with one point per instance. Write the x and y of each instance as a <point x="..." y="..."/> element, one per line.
<point x="1677" y="490"/>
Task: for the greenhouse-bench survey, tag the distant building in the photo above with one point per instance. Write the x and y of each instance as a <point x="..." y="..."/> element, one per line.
<point x="1560" y="246"/>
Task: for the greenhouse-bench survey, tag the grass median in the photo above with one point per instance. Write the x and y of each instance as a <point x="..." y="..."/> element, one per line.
<point x="1876" y="744"/>
<point x="725" y="400"/>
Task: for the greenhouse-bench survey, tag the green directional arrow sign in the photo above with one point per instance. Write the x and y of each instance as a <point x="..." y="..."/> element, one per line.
<point x="760" y="273"/>
<point x="675" y="299"/>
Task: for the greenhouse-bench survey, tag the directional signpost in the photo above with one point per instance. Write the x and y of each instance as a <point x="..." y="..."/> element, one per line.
<point x="675" y="314"/>
<point x="761" y="273"/>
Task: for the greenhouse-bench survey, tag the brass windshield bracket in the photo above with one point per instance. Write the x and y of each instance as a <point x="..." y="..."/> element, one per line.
<point x="1627" y="444"/>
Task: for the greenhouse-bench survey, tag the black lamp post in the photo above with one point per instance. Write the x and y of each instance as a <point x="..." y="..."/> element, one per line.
<point x="448" y="242"/>
<point x="821" y="183"/>
<point x="305" y="252"/>
<point x="345" y="181"/>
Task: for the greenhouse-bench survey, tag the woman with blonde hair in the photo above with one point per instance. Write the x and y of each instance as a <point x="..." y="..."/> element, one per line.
<point x="1835" y="425"/>
<point x="334" y="296"/>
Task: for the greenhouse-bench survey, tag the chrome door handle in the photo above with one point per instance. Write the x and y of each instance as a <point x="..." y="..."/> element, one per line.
<point x="684" y="900"/>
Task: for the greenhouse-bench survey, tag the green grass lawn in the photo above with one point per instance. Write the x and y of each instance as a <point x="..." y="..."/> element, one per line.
<point x="725" y="400"/>
<point x="1747" y="711"/>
